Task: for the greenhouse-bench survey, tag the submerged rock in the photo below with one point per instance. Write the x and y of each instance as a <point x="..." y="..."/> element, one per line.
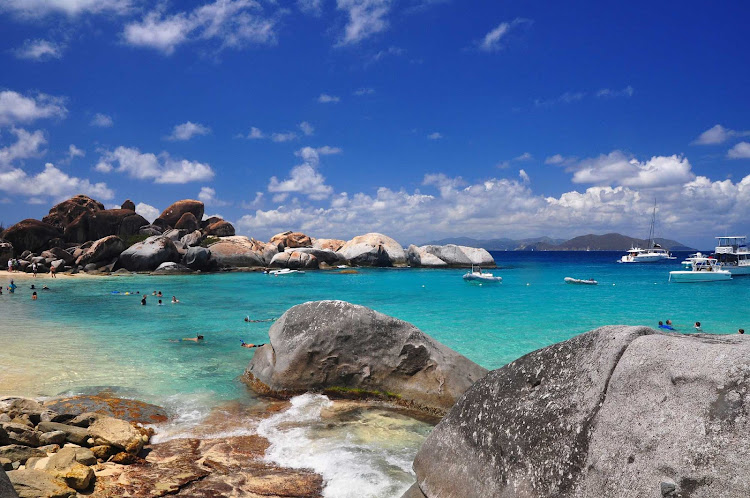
<point x="624" y="405"/>
<point x="373" y="249"/>
<point x="107" y="404"/>
<point x="338" y="347"/>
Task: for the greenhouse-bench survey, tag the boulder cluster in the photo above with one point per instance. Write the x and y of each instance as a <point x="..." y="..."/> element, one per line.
<point x="79" y="234"/>
<point x="47" y="452"/>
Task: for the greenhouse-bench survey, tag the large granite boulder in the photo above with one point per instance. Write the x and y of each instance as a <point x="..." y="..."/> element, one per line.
<point x="128" y="204"/>
<point x="58" y="253"/>
<point x="373" y="249"/>
<point x="291" y="239"/>
<point x="173" y="213"/>
<point x="295" y="260"/>
<point x="31" y="235"/>
<point x="330" y="244"/>
<point x="104" y="249"/>
<point x="6" y="252"/>
<point x="219" y="228"/>
<point x="149" y="254"/>
<point x="197" y="258"/>
<point x="618" y="411"/>
<point x="188" y="222"/>
<point x="100" y="224"/>
<point x="61" y="215"/>
<point x="334" y="346"/>
<point x="241" y="252"/>
<point x="417" y="257"/>
<point x="460" y="256"/>
<point x="326" y="256"/>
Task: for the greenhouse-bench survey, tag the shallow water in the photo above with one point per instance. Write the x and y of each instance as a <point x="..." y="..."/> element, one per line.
<point x="78" y="337"/>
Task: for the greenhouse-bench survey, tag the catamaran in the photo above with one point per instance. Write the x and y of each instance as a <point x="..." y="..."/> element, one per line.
<point x="733" y="255"/>
<point x="652" y="254"/>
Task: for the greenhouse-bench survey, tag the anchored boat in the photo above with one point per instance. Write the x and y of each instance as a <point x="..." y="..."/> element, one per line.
<point x="571" y="280"/>
<point x="477" y="275"/>
<point x="702" y="270"/>
<point x="733" y="255"/>
<point x="650" y="255"/>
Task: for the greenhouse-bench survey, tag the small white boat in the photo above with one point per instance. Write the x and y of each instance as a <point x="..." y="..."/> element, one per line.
<point x="688" y="262"/>
<point x="571" y="280"/>
<point x="703" y="270"/>
<point x="477" y="275"/>
<point x="649" y="255"/>
<point x="285" y="271"/>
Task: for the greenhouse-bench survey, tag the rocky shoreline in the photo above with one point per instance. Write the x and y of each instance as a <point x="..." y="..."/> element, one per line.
<point x="80" y="235"/>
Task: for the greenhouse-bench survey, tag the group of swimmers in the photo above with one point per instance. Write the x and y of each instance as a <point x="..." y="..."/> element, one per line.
<point x="697" y="327"/>
<point x="12" y="289"/>
<point x="160" y="303"/>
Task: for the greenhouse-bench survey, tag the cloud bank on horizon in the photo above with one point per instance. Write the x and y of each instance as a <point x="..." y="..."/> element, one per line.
<point x="339" y="117"/>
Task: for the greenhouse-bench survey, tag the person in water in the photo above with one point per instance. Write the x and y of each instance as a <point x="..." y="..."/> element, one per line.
<point x="32" y="287"/>
<point x="741" y="331"/>
<point x="33" y="296"/>
<point x="248" y="345"/>
<point x="160" y="294"/>
<point x="666" y="327"/>
<point x="160" y="303"/>
<point x="175" y="300"/>
<point x="12" y="287"/>
<point x="44" y="287"/>
<point x="197" y="338"/>
<point x="143" y="300"/>
<point x="698" y="327"/>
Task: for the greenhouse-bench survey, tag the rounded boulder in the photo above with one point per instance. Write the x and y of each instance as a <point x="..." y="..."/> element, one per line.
<point x="149" y="254"/>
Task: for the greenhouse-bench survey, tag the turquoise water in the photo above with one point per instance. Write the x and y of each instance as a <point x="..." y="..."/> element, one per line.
<point x="80" y="338"/>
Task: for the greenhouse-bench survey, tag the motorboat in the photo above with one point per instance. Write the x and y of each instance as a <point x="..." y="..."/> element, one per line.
<point x="571" y="280"/>
<point x="687" y="263"/>
<point x="285" y="271"/>
<point x="652" y="254"/>
<point x="703" y="270"/>
<point x="733" y="255"/>
<point x="477" y="275"/>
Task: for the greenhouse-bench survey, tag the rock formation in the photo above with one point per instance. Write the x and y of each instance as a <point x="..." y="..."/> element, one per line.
<point x="449" y="255"/>
<point x="31" y="235"/>
<point x="290" y="239"/>
<point x="334" y="346"/>
<point x="295" y="260"/>
<point x="373" y="249"/>
<point x="100" y="224"/>
<point x="618" y="411"/>
<point x="104" y="249"/>
<point x="149" y="254"/>
<point x="328" y="244"/>
<point x="188" y="222"/>
<point x="240" y="251"/>
<point x="173" y="213"/>
<point x="61" y="215"/>
<point x="419" y="258"/>
<point x="129" y="205"/>
<point x="220" y="228"/>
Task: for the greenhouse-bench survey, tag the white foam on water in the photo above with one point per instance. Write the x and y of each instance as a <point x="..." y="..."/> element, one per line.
<point x="368" y="455"/>
<point x="187" y="411"/>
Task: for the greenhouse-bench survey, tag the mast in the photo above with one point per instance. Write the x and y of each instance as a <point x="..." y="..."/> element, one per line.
<point x="651" y="230"/>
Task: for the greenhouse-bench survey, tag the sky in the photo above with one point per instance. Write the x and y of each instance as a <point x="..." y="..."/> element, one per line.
<point x="420" y="119"/>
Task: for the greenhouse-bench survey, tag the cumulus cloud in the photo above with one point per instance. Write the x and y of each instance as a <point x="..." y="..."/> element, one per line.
<point x="255" y="134"/>
<point x="27" y="145"/>
<point x="51" y="182"/>
<point x="74" y="151"/>
<point x="39" y="50"/>
<point x="304" y="178"/>
<point x="306" y="128"/>
<point x="616" y="168"/>
<point x="717" y="134"/>
<point x="739" y="151"/>
<point x="366" y="18"/>
<point x="524" y="177"/>
<point x="232" y="23"/>
<point x="101" y="120"/>
<point x="283" y="137"/>
<point x="327" y="99"/>
<point x="16" y="108"/>
<point x="147" y="211"/>
<point x="491" y="41"/>
<point x="147" y="166"/>
<point x="41" y="8"/>
<point x="207" y="195"/>
<point x="188" y="130"/>
<point x="311" y="7"/>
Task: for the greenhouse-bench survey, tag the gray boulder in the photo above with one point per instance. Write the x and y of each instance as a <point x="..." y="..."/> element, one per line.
<point x="150" y="230"/>
<point x="417" y="257"/>
<point x="149" y="254"/>
<point x="334" y="346"/>
<point x="192" y="239"/>
<point x="197" y="258"/>
<point x="76" y="435"/>
<point x="326" y="256"/>
<point x="618" y="411"/>
<point x="457" y="256"/>
<point x="170" y="268"/>
<point x="294" y="260"/>
<point x="373" y="249"/>
<point x="20" y="453"/>
<point x="105" y="249"/>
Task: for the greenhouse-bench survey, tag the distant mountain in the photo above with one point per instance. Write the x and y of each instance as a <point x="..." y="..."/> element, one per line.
<point x="590" y="242"/>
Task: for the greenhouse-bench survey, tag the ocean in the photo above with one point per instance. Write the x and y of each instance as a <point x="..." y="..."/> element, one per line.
<point x="79" y="337"/>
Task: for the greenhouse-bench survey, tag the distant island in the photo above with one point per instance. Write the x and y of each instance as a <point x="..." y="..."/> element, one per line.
<point x="590" y="242"/>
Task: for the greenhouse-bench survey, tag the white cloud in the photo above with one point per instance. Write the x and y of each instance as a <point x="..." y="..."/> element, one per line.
<point x="491" y="41"/>
<point x="306" y="128"/>
<point x="739" y="151"/>
<point x="27" y="145"/>
<point x="524" y="177"/>
<point x="74" y="151"/>
<point x="616" y="168"/>
<point x="38" y="50"/>
<point x="526" y="156"/>
<point x="16" y="108"/>
<point x="188" y="130"/>
<point x="311" y="7"/>
<point x="148" y="166"/>
<point x="255" y="203"/>
<point x="147" y="211"/>
<point x="556" y="159"/>
<point x="41" y="8"/>
<point x="101" y="120"/>
<point x="327" y="99"/>
<point x="304" y="178"/>
<point x="207" y="195"/>
<point x="233" y="23"/>
<point x="283" y="137"/>
<point x="366" y="18"/>
<point x="255" y="134"/>
<point x="628" y="91"/>
<point x="717" y="134"/>
<point x="364" y="91"/>
<point x="51" y="182"/>
<point x="435" y="136"/>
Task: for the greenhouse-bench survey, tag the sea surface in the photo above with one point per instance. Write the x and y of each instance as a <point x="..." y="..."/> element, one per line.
<point x="79" y="337"/>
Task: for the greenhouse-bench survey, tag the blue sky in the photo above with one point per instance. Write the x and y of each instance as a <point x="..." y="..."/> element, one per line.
<point x="417" y="118"/>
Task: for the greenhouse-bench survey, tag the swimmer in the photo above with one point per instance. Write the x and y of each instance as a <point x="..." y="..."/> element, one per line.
<point x="143" y="300"/>
<point x="741" y="331"/>
<point x="32" y="287"/>
<point x="160" y="303"/>
<point x="153" y="293"/>
<point x="44" y="287"/>
<point x="175" y="300"/>
<point x="160" y="294"/>
<point x="197" y="338"/>
<point x="697" y="327"/>
<point x="33" y="296"/>
<point x="666" y="327"/>
<point x="12" y="287"/>
<point x="244" y="344"/>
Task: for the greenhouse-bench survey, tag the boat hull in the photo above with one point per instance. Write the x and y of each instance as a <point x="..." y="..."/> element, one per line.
<point x="578" y="281"/>
<point x="470" y="277"/>
<point x="737" y="270"/>
<point x="699" y="276"/>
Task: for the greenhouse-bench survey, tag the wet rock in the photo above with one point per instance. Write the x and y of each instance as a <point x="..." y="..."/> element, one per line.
<point x="39" y="484"/>
<point x="220" y="228"/>
<point x="290" y="239"/>
<point x="31" y="235"/>
<point x="373" y="249"/>
<point x="338" y="347"/>
<point x="149" y="254"/>
<point x="625" y="405"/>
<point x="107" y="404"/>
<point x="173" y="213"/>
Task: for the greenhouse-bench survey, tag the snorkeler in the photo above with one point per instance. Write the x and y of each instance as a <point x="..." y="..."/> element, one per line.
<point x="197" y="338"/>
<point x="248" y="345"/>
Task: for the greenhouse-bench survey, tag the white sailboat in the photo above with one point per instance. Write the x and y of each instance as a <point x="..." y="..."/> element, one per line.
<point x="650" y="255"/>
